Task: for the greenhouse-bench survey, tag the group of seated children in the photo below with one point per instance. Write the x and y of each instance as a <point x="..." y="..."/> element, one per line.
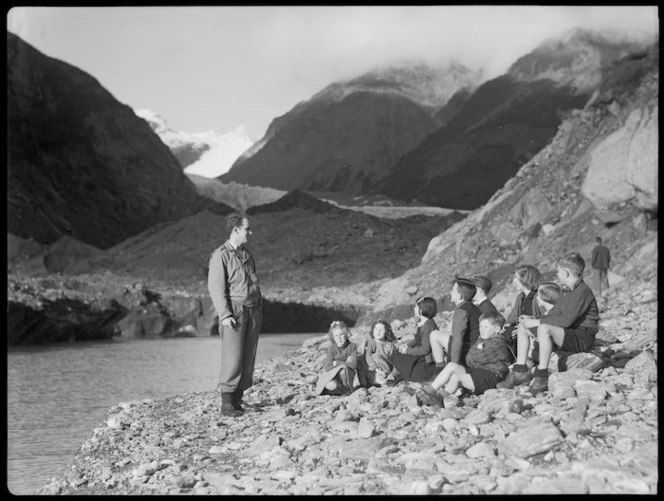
<point x="477" y="351"/>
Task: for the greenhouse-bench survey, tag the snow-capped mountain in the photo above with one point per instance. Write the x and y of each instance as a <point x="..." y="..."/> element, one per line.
<point x="209" y="154"/>
<point x="221" y="156"/>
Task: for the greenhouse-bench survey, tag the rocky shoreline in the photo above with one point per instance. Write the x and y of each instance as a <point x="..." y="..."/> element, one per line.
<point x="591" y="433"/>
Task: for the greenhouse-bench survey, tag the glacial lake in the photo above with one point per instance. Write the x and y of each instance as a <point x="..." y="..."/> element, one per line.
<point x="57" y="394"/>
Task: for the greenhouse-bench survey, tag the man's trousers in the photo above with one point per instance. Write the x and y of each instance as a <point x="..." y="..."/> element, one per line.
<point x="238" y="349"/>
<point x="600" y="279"/>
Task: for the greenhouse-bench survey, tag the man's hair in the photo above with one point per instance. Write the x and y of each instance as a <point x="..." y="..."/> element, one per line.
<point x="234" y="220"/>
<point x="573" y="262"/>
<point x="389" y="334"/>
<point x="427" y="306"/>
<point x="494" y="318"/>
<point x="599" y="240"/>
<point x="529" y="276"/>
<point x="549" y="292"/>
<point x="466" y="288"/>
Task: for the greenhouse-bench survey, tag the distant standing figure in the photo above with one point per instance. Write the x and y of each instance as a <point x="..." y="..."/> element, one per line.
<point x="236" y="295"/>
<point x="600" y="263"/>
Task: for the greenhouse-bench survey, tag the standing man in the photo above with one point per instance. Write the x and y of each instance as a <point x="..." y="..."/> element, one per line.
<point x="600" y="263"/>
<point x="236" y="296"/>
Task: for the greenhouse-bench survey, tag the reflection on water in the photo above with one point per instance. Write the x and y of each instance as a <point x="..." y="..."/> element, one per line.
<point x="57" y="394"/>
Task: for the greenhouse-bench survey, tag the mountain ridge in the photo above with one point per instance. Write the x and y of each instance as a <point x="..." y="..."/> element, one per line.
<point x="80" y="163"/>
<point x="349" y="134"/>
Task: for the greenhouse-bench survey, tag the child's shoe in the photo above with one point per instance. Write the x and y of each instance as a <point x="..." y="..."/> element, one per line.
<point x="380" y="380"/>
<point x="428" y="395"/>
<point x="393" y="382"/>
<point x="515" y="378"/>
<point x="540" y="382"/>
<point x="539" y="385"/>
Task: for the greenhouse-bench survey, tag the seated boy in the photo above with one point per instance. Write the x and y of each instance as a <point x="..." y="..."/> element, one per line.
<point x="480" y="299"/>
<point x="547" y="296"/>
<point x="453" y="346"/>
<point x="487" y="364"/>
<point x="571" y="324"/>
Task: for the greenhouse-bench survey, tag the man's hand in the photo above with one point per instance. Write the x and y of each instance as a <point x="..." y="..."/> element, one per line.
<point x="402" y="348"/>
<point x="229" y="322"/>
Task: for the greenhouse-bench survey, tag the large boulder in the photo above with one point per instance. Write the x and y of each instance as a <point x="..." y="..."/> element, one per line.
<point x="531" y="209"/>
<point x="624" y="166"/>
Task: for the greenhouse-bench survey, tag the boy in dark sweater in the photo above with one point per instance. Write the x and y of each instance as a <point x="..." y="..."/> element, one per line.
<point x="571" y="324"/>
<point x="487" y="364"/>
<point x="453" y="346"/>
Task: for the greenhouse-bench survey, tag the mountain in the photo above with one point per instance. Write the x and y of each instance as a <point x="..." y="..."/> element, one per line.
<point x="598" y="176"/>
<point x="349" y="136"/>
<point x="208" y="154"/>
<point x="80" y="163"/>
<point x="504" y="122"/>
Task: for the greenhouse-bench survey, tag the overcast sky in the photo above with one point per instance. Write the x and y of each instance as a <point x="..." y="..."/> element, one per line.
<point x="205" y="68"/>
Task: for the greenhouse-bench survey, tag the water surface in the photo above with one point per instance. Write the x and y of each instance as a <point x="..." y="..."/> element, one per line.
<point x="57" y="394"/>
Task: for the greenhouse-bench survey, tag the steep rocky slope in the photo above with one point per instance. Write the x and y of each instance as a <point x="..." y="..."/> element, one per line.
<point x="80" y="163"/>
<point x="350" y="135"/>
<point x="543" y="211"/>
<point x="504" y="123"/>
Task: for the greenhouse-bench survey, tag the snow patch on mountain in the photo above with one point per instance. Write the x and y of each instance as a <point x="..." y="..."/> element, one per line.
<point x="220" y="157"/>
<point x="209" y="154"/>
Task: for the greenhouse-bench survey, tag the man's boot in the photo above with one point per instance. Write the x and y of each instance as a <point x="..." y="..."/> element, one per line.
<point x="237" y="400"/>
<point x="227" y="408"/>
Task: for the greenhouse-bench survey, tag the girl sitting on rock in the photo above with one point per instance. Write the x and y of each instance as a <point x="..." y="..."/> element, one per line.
<point x="379" y="370"/>
<point x="340" y="362"/>
<point x="414" y="360"/>
<point x="526" y="279"/>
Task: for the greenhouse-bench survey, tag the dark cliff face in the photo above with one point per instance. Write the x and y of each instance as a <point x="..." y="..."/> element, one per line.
<point x="504" y="123"/>
<point x="349" y="136"/>
<point x="501" y="126"/>
<point x="80" y="163"/>
<point x="345" y="146"/>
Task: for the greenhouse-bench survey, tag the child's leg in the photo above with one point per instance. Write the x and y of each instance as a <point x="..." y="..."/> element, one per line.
<point x="453" y="384"/>
<point x="547" y="335"/>
<point x="522" y="345"/>
<point x="439" y="344"/>
<point x="446" y="374"/>
<point x="383" y="362"/>
<point x="332" y="385"/>
<point x="467" y="382"/>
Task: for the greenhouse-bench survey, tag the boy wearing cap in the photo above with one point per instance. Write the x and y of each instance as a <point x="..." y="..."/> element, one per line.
<point x="453" y="346"/>
<point x="480" y="299"/>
